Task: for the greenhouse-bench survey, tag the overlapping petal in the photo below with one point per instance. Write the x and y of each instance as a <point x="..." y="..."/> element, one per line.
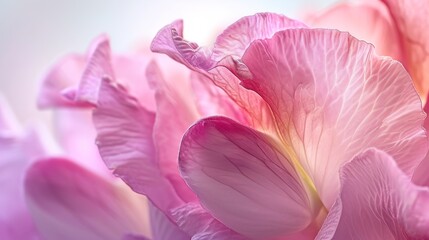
<point x="332" y="97"/>
<point x="65" y="206"/>
<point x="365" y="20"/>
<point x="377" y="201"/>
<point x="214" y="62"/>
<point x="412" y="22"/>
<point x="233" y="169"/>
<point x="201" y="225"/>
<point x="19" y="148"/>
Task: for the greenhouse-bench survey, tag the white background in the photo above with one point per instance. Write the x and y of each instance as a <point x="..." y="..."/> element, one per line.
<point x="33" y="34"/>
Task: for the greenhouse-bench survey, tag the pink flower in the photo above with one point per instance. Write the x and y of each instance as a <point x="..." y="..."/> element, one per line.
<point x="274" y="131"/>
<point x="314" y="100"/>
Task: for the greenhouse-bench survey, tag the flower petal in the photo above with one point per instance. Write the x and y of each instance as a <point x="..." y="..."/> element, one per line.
<point x="233" y="169"/>
<point x="163" y="227"/>
<point x="236" y="38"/>
<point x="68" y="202"/>
<point x="215" y="63"/>
<point x="377" y="201"/>
<point x="76" y="134"/>
<point x="332" y="97"/>
<point x="196" y="221"/>
<point x="124" y="139"/>
<point x="412" y="22"/>
<point x="366" y="20"/>
<point x="64" y="74"/>
<point x="172" y="103"/>
<point x="18" y="149"/>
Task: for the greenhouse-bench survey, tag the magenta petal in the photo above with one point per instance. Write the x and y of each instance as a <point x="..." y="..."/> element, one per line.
<point x="134" y="237"/>
<point x="233" y="169"/>
<point x="200" y="224"/>
<point x="377" y="201"/>
<point x="332" y="97"/>
<point x="68" y="202"/>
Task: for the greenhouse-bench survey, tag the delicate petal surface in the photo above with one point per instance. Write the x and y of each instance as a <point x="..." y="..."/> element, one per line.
<point x="233" y="169"/>
<point x="65" y="206"/>
<point x="332" y="97"/>
<point x="377" y="201"/>
<point x="366" y="20"/>
<point x="163" y="227"/>
<point x="125" y="143"/>
<point x="198" y="223"/>
<point x="412" y="22"/>
<point x="176" y="112"/>
<point x="215" y="63"/>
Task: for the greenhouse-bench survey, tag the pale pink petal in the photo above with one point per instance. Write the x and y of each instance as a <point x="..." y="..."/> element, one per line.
<point x="213" y="101"/>
<point x="124" y="139"/>
<point x="214" y="63"/>
<point x="61" y="84"/>
<point x="76" y="134"/>
<point x="125" y="132"/>
<point x="99" y="66"/>
<point x="64" y="74"/>
<point x="69" y="202"/>
<point x="8" y="122"/>
<point x="233" y="169"/>
<point x="163" y="226"/>
<point x="377" y="201"/>
<point x="332" y="97"/>
<point x="366" y="20"/>
<point x="412" y="22"/>
<point x="236" y="38"/>
<point x="175" y="113"/>
<point x="18" y="149"/>
<point x="201" y="225"/>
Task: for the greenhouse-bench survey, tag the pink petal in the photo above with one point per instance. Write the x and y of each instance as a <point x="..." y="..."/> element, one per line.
<point x="64" y="74"/>
<point x="366" y="20"/>
<point x="59" y="86"/>
<point x="8" y="122"/>
<point x="134" y="237"/>
<point x="233" y="169"/>
<point x="176" y="112"/>
<point x="411" y="18"/>
<point x="18" y="149"/>
<point x="76" y="133"/>
<point x="163" y="227"/>
<point x="332" y="97"/>
<point x="198" y="223"/>
<point x="124" y="139"/>
<point x="213" y="101"/>
<point x="234" y="40"/>
<point x="69" y="202"/>
<point x="377" y="201"/>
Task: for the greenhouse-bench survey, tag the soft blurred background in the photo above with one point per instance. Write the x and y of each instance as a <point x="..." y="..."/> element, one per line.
<point x="34" y="34"/>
